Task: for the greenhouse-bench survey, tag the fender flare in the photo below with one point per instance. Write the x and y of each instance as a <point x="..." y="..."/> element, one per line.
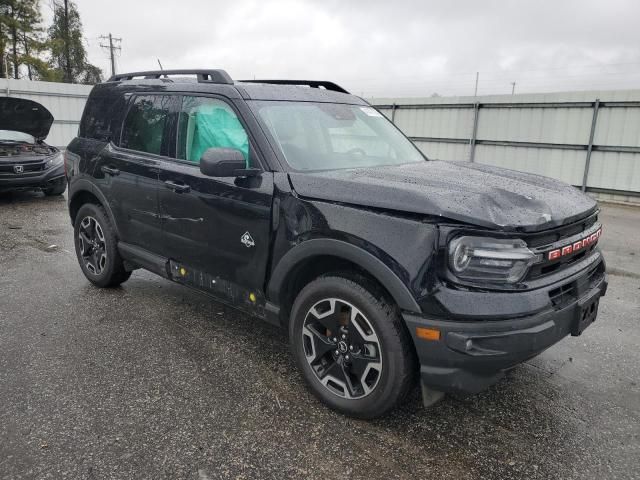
<point x="82" y="185"/>
<point x="347" y="251"/>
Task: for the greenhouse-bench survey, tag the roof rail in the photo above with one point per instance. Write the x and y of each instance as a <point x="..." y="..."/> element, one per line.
<point x="308" y="83"/>
<point x="204" y="76"/>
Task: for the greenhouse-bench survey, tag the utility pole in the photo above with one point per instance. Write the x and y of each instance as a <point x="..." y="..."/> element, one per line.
<point x="475" y="92"/>
<point x="112" y="48"/>
<point x="513" y="88"/>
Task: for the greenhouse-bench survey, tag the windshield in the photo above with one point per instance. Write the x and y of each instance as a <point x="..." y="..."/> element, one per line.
<point x="12" y="136"/>
<point x="329" y="136"/>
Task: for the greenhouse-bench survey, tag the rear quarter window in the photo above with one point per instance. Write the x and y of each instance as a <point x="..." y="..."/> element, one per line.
<point x="102" y="117"/>
<point x="145" y="126"/>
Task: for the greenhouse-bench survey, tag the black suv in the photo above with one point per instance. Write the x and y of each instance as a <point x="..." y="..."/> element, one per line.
<point x="26" y="162"/>
<point x="304" y="206"/>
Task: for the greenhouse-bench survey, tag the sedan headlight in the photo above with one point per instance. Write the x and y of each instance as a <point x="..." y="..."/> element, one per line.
<point x="490" y="259"/>
<point x="57" y="159"/>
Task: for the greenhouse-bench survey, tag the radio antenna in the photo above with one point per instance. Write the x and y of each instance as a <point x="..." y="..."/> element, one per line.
<point x="161" y="69"/>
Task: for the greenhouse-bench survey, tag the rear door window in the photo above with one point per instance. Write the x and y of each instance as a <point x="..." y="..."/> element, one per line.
<point x="144" y="127"/>
<point x="204" y="123"/>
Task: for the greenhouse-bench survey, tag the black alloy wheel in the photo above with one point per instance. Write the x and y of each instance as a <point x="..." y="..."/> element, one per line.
<point x="342" y="348"/>
<point x="92" y="246"/>
<point x="351" y="344"/>
<point x="97" y="247"/>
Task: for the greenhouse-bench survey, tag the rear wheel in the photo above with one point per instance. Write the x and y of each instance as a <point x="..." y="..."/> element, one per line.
<point x="352" y="347"/>
<point x="96" y="247"/>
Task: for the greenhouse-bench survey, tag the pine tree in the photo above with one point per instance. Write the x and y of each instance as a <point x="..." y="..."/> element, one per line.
<point x="3" y="38"/>
<point x="21" y="41"/>
<point x="23" y="45"/>
<point x="31" y="38"/>
<point x="9" y="37"/>
<point x="68" y="55"/>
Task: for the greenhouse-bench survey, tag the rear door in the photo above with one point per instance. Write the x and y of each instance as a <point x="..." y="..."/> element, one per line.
<point x="128" y="173"/>
<point x="216" y="228"/>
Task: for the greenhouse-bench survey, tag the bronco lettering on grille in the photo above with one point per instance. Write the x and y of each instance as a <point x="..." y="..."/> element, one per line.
<point x="575" y="246"/>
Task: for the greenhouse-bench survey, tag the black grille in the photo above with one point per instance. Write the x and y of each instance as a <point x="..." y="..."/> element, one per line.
<point x="569" y="292"/>
<point x="546" y="267"/>
<point x="563" y="295"/>
<point x="560" y="233"/>
<point x="27" y="167"/>
<point x="543" y="243"/>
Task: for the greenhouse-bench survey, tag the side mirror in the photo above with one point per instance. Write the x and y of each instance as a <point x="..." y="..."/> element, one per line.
<point x="225" y="162"/>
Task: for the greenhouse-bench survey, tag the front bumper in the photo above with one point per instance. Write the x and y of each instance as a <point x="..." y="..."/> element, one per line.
<point x="471" y="355"/>
<point x="32" y="180"/>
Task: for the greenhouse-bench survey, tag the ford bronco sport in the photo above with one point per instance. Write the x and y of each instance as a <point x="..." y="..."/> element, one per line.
<point x="302" y="205"/>
<point x="26" y="162"/>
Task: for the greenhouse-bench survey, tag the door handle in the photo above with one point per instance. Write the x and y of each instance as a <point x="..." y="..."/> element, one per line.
<point x="177" y="187"/>
<point x="110" y="170"/>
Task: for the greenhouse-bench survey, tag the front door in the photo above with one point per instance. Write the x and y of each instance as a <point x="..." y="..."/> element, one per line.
<point x="216" y="231"/>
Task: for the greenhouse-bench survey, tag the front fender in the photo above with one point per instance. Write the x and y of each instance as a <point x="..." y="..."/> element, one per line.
<point x="346" y="251"/>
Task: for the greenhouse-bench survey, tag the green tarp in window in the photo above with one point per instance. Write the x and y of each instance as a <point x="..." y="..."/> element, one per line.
<point x="213" y="126"/>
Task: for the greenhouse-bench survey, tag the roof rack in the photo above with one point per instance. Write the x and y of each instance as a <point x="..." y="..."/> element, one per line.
<point x="204" y="76"/>
<point x="308" y="83"/>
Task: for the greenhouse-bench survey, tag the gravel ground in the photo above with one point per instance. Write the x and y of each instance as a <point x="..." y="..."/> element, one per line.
<point x="152" y="380"/>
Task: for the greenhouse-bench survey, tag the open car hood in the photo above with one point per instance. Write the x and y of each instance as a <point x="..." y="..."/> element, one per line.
<point x="25" y="116"/>
<point x="472" y="193"/>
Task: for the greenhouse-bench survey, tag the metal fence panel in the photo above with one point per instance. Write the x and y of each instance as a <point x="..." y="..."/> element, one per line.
<point x="454" y="151"/>
<point x="548" y="134"/>
<point x="615" y="171"/>
<point x="618" y="126"/>
<point x="588" y="139"/>
<point x="563" y="165"/>
<point x="64" y="101"/>
<point x="450" y="123"/>
<point x="547" y="125"/>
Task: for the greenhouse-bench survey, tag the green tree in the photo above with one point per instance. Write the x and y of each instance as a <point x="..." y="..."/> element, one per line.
<point x="3" y="39"/>
<point x="21" y="38"/>
<point x="68" y="56"/>
<point x="31" y="37"/>
<point x="10" y="26"/>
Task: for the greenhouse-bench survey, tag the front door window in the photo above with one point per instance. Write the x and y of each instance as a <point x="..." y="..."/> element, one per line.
<point x="208" y="123"/>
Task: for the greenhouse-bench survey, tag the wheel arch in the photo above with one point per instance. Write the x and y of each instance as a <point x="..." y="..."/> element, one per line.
<point x="85" y="192"/>
<point x="320" y="256"/>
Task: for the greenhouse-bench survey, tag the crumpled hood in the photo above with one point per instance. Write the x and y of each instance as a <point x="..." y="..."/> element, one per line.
<point x="25" y="116"/>
<point x="478" y="194"/>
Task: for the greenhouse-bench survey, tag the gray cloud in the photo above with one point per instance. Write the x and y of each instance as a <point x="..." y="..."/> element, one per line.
<point x="392" y="48"/>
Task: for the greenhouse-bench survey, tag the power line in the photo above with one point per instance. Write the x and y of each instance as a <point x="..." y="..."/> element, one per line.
<point x="112" y="48"/>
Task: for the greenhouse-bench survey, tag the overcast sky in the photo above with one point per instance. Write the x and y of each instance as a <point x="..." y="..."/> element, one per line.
<point x="382" y="48"/>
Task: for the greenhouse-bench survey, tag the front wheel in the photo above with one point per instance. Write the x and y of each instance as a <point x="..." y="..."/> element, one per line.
<point x="352" y="347"/>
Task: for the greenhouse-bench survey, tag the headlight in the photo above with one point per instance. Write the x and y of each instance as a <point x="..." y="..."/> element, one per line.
<point x="53" y="161"/>
<point x="490" y="259"/>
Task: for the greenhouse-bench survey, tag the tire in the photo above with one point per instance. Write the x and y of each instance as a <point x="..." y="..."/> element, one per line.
<point x="96" y="247"/>
<point x="377" y="353"/>
<point x="56" y="189"/>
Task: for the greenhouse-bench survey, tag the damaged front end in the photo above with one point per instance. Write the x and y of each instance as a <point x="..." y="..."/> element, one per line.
<point x="26" y="161"/>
